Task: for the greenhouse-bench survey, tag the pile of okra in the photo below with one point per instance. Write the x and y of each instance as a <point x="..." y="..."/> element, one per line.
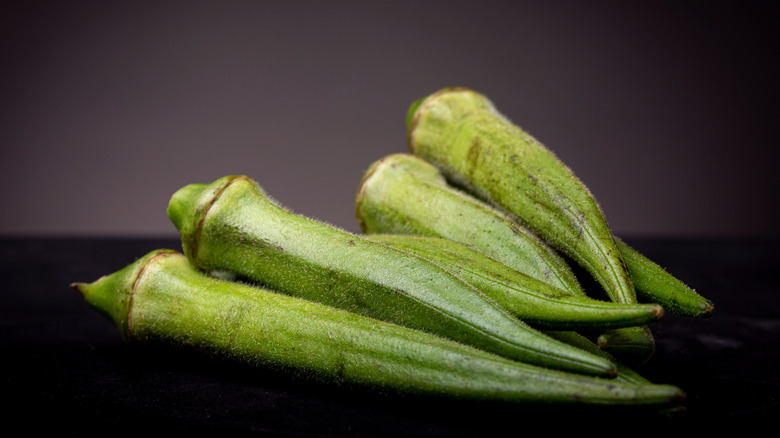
<point x="459" y="286"/>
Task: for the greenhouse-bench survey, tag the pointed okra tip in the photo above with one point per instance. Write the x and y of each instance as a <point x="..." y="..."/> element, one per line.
<point x="658" y="311"/>
<point x="110" y="295"/>
<point x="706" y="309"/>
<point x="689" y="303"/>
<point x="668" y="395"/>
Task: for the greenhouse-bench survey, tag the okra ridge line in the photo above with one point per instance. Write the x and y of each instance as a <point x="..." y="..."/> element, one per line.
<point x="418" y="111"/>
<point x="199" y="225"/>
<point x="131" y="295"/>
<point x="542" y="353"/>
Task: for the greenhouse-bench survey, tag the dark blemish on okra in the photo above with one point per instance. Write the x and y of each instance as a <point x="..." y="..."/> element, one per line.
<point x="474" y="151"/>
<point x="351" y="243"/>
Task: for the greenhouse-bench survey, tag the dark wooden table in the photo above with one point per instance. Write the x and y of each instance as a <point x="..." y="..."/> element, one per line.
<point x="65" y="368"/>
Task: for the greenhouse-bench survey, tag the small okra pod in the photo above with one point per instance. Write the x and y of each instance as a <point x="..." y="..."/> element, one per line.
<point x="531" y="300"/>
<point x="162" y="298"/>
<point x="232" y="225"/>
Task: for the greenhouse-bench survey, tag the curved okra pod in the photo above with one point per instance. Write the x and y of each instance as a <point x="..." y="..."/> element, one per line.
<point x="232" y="225"/>
<point x="531" y="300"/>
<point x="460" y="132"/>
<point x="163" y="298"/>
<point x="403" y="194"/>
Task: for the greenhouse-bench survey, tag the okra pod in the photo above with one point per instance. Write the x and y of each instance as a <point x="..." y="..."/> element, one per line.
<point x="232" y="225"/>
<point x="654" y="283"/>
<point x="625" y="373"/>
<point x="162" y="298"/>
<point x="404" y="194"/>
<point x="531" y="300"/>
<point x="460" y="132"/>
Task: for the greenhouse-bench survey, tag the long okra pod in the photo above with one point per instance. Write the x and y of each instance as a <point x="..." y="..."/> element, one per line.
<point x="531" y="300"/>
<point x="403" y="194"/>
<point x="460" y="132"/>
<point x="232" y="225"/>
<point x="163" y="298"/>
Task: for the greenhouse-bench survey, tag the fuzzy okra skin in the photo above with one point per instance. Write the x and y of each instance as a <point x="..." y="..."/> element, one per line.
<point x="460" y="132"/>
<point x="625" y="373"/>
<point x="403" y="194"/>
<point x="531" y="300"/>
<point x="162" y="298"/>
<point x="232" y="225"/>
<point x="654" y="283"/>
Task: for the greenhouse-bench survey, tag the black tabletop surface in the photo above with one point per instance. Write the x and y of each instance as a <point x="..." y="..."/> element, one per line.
<point x="65" y="368"/>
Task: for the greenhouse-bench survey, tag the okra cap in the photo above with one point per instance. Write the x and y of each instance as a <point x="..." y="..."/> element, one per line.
<point x="112" y="295"/>
<point x="188" y="208"/>
<point x="463" y="99"/>
<point x="406" y="163"/>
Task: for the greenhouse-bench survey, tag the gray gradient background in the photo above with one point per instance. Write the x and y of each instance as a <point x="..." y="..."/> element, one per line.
<point x="667" y="112"/>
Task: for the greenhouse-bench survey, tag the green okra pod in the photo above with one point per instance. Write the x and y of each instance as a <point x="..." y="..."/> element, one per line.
<point x="162" y="298"/>
<point x="531" y="300"/>
<point x="403" y="194"/>
<point x="654" y="283"/>
<point x="232" y="225"/>
<point x="625" y="373"/>
<point x="460" y="132"/>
